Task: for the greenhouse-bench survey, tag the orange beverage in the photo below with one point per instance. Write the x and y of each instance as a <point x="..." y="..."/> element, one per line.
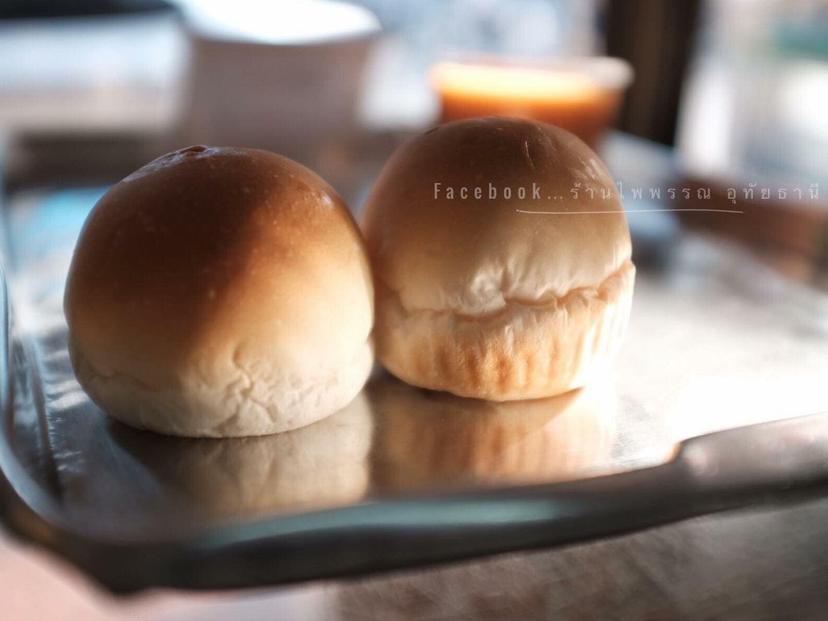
<point x="580" y="95"/>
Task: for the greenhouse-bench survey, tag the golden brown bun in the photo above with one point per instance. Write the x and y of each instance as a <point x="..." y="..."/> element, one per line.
<point x="220" y="292"/>
<point x="477" y="297"/>
<point x="427" y="439"/>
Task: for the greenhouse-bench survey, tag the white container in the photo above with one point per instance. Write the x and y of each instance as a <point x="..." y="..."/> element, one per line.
<point x="284" y="75"/>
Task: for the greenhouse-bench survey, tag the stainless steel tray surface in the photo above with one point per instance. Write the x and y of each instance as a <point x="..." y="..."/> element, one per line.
<point x="402" y="476"/>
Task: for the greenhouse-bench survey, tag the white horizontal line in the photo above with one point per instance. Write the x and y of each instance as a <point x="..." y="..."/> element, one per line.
<point x="577" y="213"/>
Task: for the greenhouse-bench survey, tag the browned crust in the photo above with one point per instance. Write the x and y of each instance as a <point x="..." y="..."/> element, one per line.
<point x="202" y="291"/>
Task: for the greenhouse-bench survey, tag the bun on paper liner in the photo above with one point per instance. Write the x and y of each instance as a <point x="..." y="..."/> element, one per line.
<point x="490" y="293"/>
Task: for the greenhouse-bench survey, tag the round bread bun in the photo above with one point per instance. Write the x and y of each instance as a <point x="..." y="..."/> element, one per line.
<point x="503" y="298"/>
<point x="426" y="439"/>
<point x="220" y="292"/>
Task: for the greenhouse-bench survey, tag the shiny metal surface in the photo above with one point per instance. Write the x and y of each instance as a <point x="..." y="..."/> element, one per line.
<point x="405" y="476"/>
<point x="392" y="441"/>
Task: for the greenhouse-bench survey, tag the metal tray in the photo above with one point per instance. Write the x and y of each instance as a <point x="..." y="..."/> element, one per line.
<point x="404" y="476"/>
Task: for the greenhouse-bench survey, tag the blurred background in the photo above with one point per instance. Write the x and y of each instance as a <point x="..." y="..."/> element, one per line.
<point x="734" y="92"/>
<point x="712" y="115"/>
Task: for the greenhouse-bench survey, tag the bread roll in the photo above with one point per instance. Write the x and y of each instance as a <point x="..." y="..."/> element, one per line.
<point x="220" y="292"/>
<point x="490" y="295"/>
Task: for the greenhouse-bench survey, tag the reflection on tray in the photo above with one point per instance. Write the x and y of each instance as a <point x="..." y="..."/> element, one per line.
<point x="392" y="438"/>
<point x="324" y="464"/>
<point x="432" y="440"/>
